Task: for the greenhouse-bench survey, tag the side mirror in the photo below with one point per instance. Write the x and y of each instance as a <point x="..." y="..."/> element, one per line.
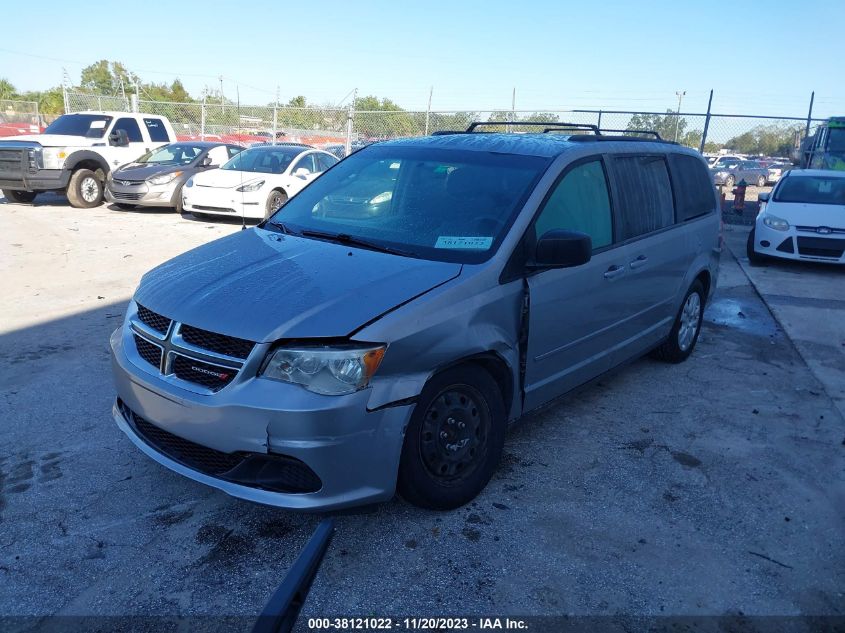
<point x="560" y="248"/>
<point x="302" y="172"/>
<point x="763" y="196"/>
<point x="119" y="138"/>
<point x="206" y="162"/>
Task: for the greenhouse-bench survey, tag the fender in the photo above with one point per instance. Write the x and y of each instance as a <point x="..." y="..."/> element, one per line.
<point x="86" y="155"/>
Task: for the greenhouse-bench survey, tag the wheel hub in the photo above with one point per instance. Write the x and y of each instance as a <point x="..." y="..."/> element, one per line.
<point x="690" y="316"/>
<point x="454" y="434"/>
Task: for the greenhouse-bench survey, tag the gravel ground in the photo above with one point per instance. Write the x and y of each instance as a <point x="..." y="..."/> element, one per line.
<point x="714" y="487"/>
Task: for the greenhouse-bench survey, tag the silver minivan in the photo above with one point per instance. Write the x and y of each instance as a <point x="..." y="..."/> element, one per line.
<point x="382" y="329"/>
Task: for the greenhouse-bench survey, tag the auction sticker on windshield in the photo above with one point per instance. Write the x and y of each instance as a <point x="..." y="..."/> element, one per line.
<point x="468" y="243"/>
<point x="98" y="124"/>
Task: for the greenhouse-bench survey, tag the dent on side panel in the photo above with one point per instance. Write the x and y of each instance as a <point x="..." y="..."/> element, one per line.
<point x="454" y="322"/>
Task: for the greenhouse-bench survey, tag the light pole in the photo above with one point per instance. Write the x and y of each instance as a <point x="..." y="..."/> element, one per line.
<point x="680" y="95"/>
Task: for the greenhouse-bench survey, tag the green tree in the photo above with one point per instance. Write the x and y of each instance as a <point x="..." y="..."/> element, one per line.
<point x="670" y="126"/>
<point x="769" y="140"/>
<point x="7" y="90"/>
<point x="105" y="77"/>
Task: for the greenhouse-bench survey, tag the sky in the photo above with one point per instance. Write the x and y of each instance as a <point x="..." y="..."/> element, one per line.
<point x="760" y="57"/>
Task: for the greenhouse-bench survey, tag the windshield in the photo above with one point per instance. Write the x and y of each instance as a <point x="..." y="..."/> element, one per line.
<point x="175" y="154"/>
<point x="434" y="203"/>
<point x="811" y="190"/>
<point x="264" y="160"/>
<point x="87" y="125"/>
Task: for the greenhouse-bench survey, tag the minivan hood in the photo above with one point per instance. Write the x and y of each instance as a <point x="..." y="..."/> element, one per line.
<point x="57" y="140"/>
<point x="800" y="214"/>
<point x="264" y="286"/>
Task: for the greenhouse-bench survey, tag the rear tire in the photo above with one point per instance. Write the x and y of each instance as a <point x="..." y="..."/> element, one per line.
<point x="20" y="197"/>
<point x="85" y="190"/>
<point x="754" y="258"/>
<point x="685" y="330"/>
<point x="454" y="440"/>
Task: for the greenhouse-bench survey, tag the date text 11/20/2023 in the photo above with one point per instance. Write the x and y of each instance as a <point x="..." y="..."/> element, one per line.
<point x="416" y="624"/>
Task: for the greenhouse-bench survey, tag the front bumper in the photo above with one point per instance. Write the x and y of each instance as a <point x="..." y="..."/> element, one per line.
<point x="354" y="452"/>
<point x="40" y="180"/>
<point x="800" y="243"/>
<point x="142" y="193"/>
<point x="220" y="201"/>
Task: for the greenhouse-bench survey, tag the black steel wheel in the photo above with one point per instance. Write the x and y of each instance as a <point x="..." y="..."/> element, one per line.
<point x="454" y="440"/>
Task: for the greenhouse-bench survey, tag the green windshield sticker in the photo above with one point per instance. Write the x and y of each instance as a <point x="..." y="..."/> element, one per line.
<point x="464" y="243"/>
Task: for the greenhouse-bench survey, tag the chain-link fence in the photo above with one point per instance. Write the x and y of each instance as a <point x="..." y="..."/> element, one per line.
<point x="19" y="117"/>
<point x="769" y="136"/>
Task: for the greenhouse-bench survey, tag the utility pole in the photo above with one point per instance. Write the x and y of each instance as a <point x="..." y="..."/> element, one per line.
<point x="222" y="102"/>
<point x="350" y="123"/>
<point x="680" y="94"/>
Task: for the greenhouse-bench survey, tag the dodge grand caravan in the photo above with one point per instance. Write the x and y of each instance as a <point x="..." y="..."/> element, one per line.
<point x="380" y="331"/>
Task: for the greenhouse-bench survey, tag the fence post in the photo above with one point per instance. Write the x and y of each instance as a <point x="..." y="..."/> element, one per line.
<point x="65" y="97"/>
<point x="349" y="122"/>
<point x="428" y="109"/>
<point x="133" y="101"/>
<point x="598" y="123"/>
<point x="37" y="115"/>
<point x="202" y="118"/>
<point x="99" y="103"/>
<point x="706" y="124"/>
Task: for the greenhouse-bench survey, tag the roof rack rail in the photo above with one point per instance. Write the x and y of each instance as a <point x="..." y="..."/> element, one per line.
<point x="447" y="132"/>
<point x="547" y="124"/>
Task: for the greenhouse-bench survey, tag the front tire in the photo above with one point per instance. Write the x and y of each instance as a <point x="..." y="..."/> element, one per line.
<point x="685" y="330"/>
<point x="454" y="440"/>
<point x="21" y="197"/>
<point x="754" y="258"/>
<point x="85" y="190"/>
<point x="275" y="201"/>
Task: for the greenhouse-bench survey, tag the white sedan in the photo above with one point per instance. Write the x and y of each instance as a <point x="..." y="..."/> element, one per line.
<point x="803" y="218"/>
<point x="256" y="182"/>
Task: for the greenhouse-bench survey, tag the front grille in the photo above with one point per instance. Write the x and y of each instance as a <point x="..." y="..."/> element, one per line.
<point x="11" y="156"/>
<point x="149" y="352"/>
<point x="280" y="473"/>
<point x="193" y="455"/>
<point x="220" y="343"/>
<point x="211" y="376"/>
<point x="815" y="229"/>
<point x="786" y="246"/>
<point x="200" y="207"/>
<point x="821" y="247"/>
<point x="152" y="319"/>
<point x="119" y="195"/>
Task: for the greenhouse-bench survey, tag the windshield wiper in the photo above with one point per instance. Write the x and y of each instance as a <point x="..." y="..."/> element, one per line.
<point x="351" y="240"/>
<point x="282" y="227"/>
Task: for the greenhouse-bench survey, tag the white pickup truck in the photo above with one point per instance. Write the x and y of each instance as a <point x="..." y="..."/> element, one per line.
<point x="75" y="154"/>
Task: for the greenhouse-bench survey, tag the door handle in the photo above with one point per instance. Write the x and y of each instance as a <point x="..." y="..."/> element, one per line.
<point x="614" y="271"/>
<point x="639" y="261"/>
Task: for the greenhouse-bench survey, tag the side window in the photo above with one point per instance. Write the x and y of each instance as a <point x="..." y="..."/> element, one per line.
<point x="306" y="162"/>
<point x="693" y="187"/>
<point x="234" y="150"/>
<point x="218" y="155"/>
<point x="156" y="130"/>
<point x="130" y="126"/>
<point x="645" y="195"/>
<point x="579" y="202"/>
<point x="324" y="161"/>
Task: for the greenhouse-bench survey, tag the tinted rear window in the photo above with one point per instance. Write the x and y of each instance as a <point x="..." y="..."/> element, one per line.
<point x="156" y="129"/>
<point x="645" y="195"/>
<point x="693" y="187"/>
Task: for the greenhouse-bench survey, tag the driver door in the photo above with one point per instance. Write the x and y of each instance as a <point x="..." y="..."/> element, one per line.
<point x="577" y="315"/>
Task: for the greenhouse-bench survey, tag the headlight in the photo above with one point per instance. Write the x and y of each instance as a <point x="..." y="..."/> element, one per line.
<point x="253" y="186"/>
<point x="190" y="182"/>
<point x="382" y="197"/>
<point x="776" y="223"/>
<point x="53" y="157"/>
<point x="330" y="371"/>
<point x="164" y="178"/>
